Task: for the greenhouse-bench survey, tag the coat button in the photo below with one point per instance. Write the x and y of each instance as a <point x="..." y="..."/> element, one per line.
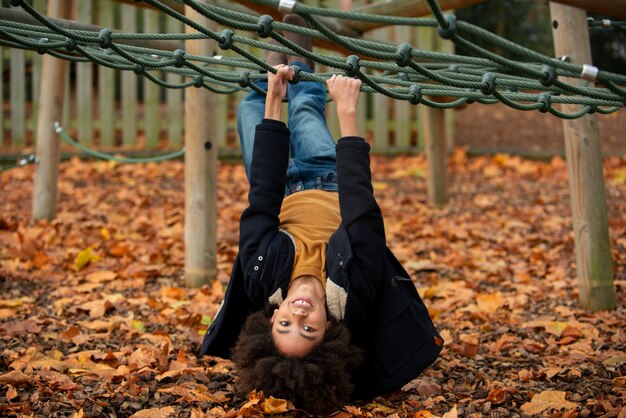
<point x="341" y="263"/>
<point x="260" y="258"/>
<point x="256" y="268"/>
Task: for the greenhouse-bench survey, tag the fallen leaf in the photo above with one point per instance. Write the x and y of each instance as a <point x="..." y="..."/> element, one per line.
<point x="549" y="399"/>
<point x="165" y="412"/>
<point x="273" y="405"/>
<point x="11" y="393"/>
<point x="84" y="258"/>
<point x="15" y="378"/>
<point x="453" y="413"/>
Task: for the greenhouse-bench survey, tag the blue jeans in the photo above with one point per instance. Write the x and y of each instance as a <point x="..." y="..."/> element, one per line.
<point x="313" y="162"/>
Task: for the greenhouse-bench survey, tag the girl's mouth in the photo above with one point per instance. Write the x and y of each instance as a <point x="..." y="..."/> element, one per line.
<point x="302" y="301"/>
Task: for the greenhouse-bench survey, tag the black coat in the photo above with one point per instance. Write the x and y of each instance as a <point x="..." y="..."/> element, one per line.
<point x="366" y="288"/>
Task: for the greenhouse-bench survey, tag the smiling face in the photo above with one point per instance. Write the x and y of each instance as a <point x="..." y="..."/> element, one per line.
<point x="300" y="322"/>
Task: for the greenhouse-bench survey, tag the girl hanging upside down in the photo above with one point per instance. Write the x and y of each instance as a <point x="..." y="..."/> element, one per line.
<point x="318" y="310"/>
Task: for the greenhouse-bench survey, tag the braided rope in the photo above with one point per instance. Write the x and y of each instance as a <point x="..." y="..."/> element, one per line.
<point x="400" y="72"/>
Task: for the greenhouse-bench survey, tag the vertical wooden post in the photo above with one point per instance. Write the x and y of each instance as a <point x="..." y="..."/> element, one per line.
<point x="586" y="180"/>
<point x="84" y="83"/>
<point x="48" y="150"/>
<point x="129" y="84"/>
<point x="381" y="104"/>
<point x="174" y="98"/>
<point x="433" y="128"/>
<point x="436" y="155"/>
<point x="200" y="172"/>
<point x="106" y="85"/>
<point x="18" y="97"/>
<point x="151" y="91"/>
<point x="403" y="121"/>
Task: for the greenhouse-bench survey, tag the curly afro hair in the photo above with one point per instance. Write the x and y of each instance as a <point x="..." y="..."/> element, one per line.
<point x="318" y="383"/>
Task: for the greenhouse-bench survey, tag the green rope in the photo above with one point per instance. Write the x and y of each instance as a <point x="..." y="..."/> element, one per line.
<point x="110" y="157"/>
<point x="406" y="73"/>
<point x="30" y="159"/>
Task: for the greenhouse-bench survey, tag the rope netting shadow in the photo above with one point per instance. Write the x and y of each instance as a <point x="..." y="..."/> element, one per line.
<point x="531" y="81"/>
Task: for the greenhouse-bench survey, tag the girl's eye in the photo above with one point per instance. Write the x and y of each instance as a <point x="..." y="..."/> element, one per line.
<point x="307" y="328"/>
<point x="284" y="323"/>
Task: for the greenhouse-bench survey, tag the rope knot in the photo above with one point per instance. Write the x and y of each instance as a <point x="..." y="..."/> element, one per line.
<point x="469" y="99"/>
<point x="179" y="58"/>
<point x="198" y="81"/>
<point x="489" y="79"/>
<point x="41" y="49"/>
<point x="227" y="39"/>
<point x="104" y="37"/>
<point x="138" y="69"/>
<point x="549" y="75"/>
<point x="404" y="54"/>
<point x="71" y="44"/>
<point x="265" y="23"/>
<point x="353" y="63"/>
<point x="546" y="103"/>
<point x="244" y="81"/>
<point x="449" y="30"/>
<point x="416" y="94"/>
<point x="296" y="74"/>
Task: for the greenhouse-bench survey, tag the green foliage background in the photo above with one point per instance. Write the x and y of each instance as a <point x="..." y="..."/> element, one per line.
<point x="527" y="22"/>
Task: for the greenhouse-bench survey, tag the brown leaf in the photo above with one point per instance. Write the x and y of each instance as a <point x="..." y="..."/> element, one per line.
<point x="549" y="399"/>
<point x="15" y="378"/>
<point x="101" y="276"/>
<point x="96" y="308"/>
<point x="497" y="396"/>
<point x="69" y="333"/>
<point x="453" y="413"/>
<point x="21" y="328"/>
<point x="273" y="405"/>
<point x="11" y="393"/>
<point x="165" y="412"/>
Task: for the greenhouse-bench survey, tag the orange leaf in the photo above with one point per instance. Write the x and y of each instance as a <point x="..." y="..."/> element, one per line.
<point x="277" y="406"/>
<point x="497" y="396"/>
<point x="11" y="393"/>
<point x="15" y="378"/>
<point x="453" y="413"/>
<point x="101" y="276"/>
<point x="549" y="399"/>
<point x="166" y="412"/>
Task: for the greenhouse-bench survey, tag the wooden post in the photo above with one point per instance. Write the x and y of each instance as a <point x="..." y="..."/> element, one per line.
<point x="106" y="85"/>
<point x="433" y="127"/>
<point x="84" y="83"/>
<point x="129" y="85"/>
<point x="436" y="155"/>
<point x="53" y="78"/>
<point x="200" y="172"/>
<point x="586" y="180"/>
<point x="18" y="97"/>
<point x="151" y="91"/>
<point x="174" y="98"/>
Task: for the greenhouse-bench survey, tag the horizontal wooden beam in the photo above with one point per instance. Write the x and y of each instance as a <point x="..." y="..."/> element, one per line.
<point x="405" y="8"/>
<point x="179" y="7"/>
<point x="611" y="8"/>
<point x="23" y="17"/>
<point x="338" y="26"/>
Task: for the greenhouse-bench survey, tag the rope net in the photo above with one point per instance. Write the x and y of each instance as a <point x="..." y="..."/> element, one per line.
<point x="531" y="81"/>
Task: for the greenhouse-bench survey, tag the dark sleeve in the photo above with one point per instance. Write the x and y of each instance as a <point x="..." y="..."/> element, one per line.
<point x="361" y="217"/>
<point x="268" y="170"/>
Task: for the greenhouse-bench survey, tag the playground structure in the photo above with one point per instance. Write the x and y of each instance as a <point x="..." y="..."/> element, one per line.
<point x="406" y="78"/>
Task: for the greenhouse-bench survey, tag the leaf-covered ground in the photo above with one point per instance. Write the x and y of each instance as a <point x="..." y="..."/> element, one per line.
<point x="95" y="319"/>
